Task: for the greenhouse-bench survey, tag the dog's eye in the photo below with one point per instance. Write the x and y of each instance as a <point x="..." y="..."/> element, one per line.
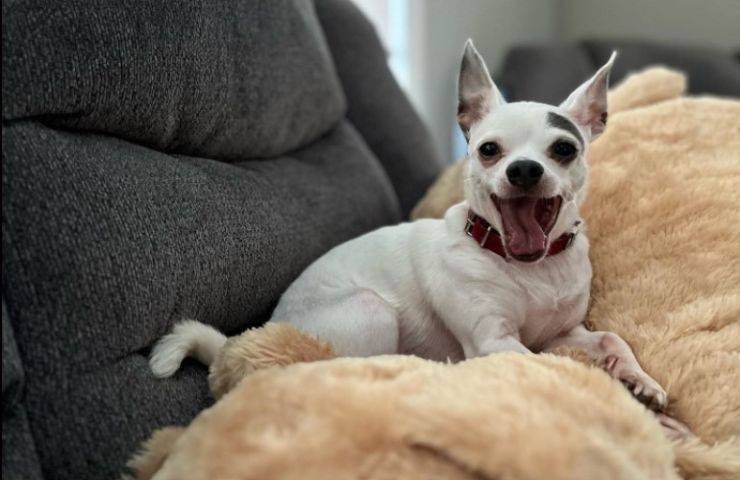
<point x="489" y="149"/>
<point x="563" y="150"/>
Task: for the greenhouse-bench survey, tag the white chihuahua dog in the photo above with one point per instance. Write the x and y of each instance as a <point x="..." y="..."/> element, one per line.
<point x="506" y="270"/>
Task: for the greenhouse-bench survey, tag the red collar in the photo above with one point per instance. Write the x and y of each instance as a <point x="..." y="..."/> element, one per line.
<point x="487" y="236"/>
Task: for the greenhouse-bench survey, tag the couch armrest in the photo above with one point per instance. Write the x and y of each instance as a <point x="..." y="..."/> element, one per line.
<point x="377" y="107"/>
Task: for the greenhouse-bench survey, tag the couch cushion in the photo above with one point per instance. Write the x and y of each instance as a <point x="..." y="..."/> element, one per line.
<point x="219" y="79"/>
<point x="107" y="243"/>
<point x="377" y="106"/>
<point x="544" y="74"/>
<point x="548" y="73"/>
<point x="19" y="449"/>
<point x="710" y="70"/>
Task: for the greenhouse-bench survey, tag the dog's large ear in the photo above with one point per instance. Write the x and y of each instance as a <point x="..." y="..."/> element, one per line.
<point x="477" y="94"/>
<point x="587" y="104"/>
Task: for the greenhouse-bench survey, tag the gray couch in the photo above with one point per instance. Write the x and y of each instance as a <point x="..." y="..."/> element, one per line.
<point x="165" y="160"/>
<point x="548" y="73"/>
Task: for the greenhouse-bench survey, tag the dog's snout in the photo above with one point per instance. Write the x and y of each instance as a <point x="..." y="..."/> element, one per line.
<point x="524" y="173"/>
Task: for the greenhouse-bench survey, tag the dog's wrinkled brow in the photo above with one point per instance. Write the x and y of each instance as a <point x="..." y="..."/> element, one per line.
<point x="559" y="121"/>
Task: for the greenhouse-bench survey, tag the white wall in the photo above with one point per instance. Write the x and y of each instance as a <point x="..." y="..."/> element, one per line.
<point x="684" y="22"/>
<point x="439" y="29"/>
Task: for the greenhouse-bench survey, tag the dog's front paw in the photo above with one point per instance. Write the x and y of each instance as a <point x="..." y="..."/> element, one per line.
<point x="646" y="390"/>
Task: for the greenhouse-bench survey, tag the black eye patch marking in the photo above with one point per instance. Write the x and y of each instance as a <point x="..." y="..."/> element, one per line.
<point x="558" y="121"/>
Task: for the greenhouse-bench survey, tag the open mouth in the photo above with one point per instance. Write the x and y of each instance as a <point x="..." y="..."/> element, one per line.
<point x="527" y="223"/>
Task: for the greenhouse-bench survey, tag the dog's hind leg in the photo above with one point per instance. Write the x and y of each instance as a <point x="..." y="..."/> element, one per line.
<point x="357" y="324"/>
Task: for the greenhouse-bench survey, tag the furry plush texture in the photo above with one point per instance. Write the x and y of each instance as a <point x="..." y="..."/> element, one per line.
<point x="663" y="217"/>
<point x="664" y="223"/>
<point x="649" y="87"/>
<point x="275" y="344"/>
<point x="506" y="416"/>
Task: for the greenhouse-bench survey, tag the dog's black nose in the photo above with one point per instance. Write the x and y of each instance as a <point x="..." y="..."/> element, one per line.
<point x="524" y="173"/>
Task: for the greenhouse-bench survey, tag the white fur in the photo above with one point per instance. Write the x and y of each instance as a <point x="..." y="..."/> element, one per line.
<point x="187" y="338"/>
<point x="427" y="288"/>
<point x="449" y="297"/>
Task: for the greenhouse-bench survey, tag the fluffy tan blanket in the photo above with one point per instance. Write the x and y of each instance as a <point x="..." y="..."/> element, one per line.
<point x="663" y="217"/>
<point x="664" y="223"/>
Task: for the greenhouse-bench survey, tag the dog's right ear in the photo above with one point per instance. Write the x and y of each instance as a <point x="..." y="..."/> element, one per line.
<point x="476" y="92"/>
<point x="587" y="104"/>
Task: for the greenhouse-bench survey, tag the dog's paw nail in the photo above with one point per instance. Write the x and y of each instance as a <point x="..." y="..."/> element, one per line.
<point x="658" y="400"/>
<point x="662" y="400"/>
<point x="674" y="429"/>
<point x="645" y="390"/>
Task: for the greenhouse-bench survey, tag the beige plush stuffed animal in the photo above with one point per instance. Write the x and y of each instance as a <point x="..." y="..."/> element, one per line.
<point x="664" y="222"/>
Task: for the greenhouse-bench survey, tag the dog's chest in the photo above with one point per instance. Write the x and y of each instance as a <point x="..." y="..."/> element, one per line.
<point x="543" y="321"/>
<point x="553" y="301"/>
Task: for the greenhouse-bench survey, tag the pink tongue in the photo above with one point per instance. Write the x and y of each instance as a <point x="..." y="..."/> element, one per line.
<point x="522" y="233"/>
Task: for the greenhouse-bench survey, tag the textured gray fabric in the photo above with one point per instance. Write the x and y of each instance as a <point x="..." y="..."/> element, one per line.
<point x="20" y="461"/>
<point x="93" y="421"/>
<point x="220" y="79"/>
<point x="376" y="105"/>
<point x="13" y="375"/>
<point x="106" y="244"/>
<point x="115" y="225"/>
<point x="548" y="73"/>
<point x="127" y="236"/>
<point x="19" y="451"/>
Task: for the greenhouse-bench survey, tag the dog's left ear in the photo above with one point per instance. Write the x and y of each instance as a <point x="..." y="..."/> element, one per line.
<point x="477" y="94"/>
<point x="587" y="103"/>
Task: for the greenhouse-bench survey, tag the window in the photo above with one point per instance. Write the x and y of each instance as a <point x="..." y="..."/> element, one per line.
<point x="391" y="19"/>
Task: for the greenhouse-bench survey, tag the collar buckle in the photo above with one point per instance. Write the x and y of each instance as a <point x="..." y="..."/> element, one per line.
<point x="470" y="224"/>
<point x="571" y="239"/>
<point x="469" y="227"/>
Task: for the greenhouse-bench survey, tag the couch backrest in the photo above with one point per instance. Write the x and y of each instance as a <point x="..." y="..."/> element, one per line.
<point x="230" y="80"/>
<point x="548" y="73"/>
<point x="166" y="160"/>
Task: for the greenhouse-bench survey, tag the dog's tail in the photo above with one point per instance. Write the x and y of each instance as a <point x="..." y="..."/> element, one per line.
<point x="188" y="338"/>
